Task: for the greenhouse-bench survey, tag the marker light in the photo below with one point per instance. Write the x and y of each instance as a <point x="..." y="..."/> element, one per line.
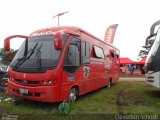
<point x="44" y="82"/>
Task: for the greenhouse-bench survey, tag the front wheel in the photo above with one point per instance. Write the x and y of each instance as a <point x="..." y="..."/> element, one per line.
<point x="72" y="95"/>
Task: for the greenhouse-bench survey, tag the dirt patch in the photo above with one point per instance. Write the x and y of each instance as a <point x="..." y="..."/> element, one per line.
<point x="119" y="102"/>
<point x="120" y="99"/>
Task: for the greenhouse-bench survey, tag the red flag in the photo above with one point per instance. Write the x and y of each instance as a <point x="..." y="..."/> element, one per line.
<point x="110" y="33"/>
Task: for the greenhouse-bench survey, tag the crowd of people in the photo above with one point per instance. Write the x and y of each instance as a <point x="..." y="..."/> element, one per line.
<point x="131" y="68"/>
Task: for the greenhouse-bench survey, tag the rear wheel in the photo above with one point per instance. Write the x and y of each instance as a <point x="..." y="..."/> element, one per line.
<point x="109" y="83"/>
<point x="72" y="95"/>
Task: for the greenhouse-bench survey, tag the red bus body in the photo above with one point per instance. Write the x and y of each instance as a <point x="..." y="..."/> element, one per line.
<point x="88" y="77"/>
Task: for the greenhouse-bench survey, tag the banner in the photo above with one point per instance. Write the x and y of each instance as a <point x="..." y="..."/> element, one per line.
<point x="110" y="33"/>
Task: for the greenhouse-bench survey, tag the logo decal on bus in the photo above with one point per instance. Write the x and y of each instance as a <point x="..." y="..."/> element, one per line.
<point x="86" y="71"/>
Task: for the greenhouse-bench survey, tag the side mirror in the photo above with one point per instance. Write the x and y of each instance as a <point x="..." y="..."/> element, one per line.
<point x="7" y="44"/>
<point x="58" y="41"/>
<point x="7" y="41"/>
<point x="58" y="38"/>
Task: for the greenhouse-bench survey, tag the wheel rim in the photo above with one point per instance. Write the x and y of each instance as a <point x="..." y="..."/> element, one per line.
<point x="72" y="95"/>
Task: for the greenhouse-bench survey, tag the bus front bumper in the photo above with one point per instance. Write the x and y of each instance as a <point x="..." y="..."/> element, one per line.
<point x="37" y="93"/>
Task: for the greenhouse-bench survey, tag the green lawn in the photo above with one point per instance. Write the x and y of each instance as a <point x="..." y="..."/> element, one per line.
<point x="121" y="98"/>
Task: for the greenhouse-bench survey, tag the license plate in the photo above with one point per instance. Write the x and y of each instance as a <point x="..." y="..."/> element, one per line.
<point x="23" y="91"/>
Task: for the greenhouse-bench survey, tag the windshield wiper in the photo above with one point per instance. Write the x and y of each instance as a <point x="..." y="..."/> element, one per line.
<point x="38" y="55"/>
<point x="22" y="59"/>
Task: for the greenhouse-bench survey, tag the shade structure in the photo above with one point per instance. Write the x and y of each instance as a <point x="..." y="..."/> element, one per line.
<point x="126" y="60"/>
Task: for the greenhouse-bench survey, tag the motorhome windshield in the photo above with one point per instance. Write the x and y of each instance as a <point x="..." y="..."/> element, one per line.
<point x="153" y="58"/>
<point x="41" y="55"/>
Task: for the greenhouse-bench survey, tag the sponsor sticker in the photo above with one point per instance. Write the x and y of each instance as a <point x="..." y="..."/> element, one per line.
<point x="70" y="78"/>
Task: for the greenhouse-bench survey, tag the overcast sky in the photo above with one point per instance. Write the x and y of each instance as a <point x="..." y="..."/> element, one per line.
<point x="133" y="16"/>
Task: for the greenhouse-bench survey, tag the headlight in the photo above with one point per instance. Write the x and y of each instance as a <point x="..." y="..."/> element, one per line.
<point x="49" y="82"/>
<point x="44" y="82"/>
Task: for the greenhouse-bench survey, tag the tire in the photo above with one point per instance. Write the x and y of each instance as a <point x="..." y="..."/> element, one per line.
<point x="109" y="83"/>
<point x="72" y="96"/>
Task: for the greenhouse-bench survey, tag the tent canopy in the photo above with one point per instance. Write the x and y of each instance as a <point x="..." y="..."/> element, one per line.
<point x="126" y="60"/>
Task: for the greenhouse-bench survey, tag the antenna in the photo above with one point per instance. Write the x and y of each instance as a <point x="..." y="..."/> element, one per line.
<point x="58" y="15"/>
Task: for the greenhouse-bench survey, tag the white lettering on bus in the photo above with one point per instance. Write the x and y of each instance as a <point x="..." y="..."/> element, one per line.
<point x="42" y="33"/>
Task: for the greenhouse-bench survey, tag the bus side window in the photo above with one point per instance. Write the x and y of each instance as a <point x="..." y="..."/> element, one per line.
<point x="117" y="57"/>
<point x="72" y="60"/>
<point x="86" y="52"/>
<point x="98" y="52"/>
<point x="112" y="54"/>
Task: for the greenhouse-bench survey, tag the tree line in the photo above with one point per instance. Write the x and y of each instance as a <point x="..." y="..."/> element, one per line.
<point x="4" y="54"/>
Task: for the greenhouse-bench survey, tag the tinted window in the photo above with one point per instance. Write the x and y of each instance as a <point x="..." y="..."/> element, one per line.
<point x="86" y="52"/>
<point x="73" y="56"/>
<point x="40" y="54"/>
<point x="117" y="56"/>
<point x="73" y="53"/>
<point x="112" y="54"/>
<point x="98" y="52"/>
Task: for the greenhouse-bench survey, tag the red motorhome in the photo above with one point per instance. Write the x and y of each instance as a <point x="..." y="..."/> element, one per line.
<point x="61" y="63"/>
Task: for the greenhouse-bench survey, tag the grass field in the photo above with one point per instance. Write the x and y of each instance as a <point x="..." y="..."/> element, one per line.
<point x="125" y="97"/>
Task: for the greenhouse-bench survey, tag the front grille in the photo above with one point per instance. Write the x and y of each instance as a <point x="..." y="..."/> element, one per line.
<point x="29" y="94"/>
<point x="36" y="94"/>
<point x="27" y="82"/>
